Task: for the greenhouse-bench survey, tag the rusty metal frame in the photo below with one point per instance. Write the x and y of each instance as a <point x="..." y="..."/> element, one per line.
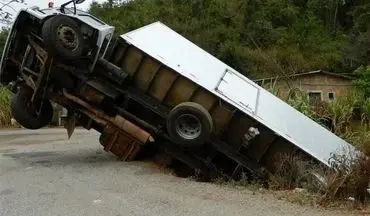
<point x="118" y="121"/>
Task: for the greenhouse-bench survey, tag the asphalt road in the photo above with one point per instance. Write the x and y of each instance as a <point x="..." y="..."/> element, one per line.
<point x="44" y="173"/>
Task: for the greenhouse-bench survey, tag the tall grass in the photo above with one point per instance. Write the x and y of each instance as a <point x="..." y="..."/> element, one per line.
<point x="5" y="114"/>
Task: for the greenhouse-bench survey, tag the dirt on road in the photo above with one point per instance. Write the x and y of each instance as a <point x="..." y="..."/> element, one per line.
<point x="44" y="173"/>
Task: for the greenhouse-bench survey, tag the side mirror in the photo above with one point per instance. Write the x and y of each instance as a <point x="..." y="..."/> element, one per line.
<point x="79" y="1"/>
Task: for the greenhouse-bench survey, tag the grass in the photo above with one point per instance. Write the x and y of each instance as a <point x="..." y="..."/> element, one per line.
<point x="5" y="114"/>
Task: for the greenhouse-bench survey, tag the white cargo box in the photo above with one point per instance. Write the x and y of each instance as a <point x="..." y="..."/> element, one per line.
<point x="178" y="53"/>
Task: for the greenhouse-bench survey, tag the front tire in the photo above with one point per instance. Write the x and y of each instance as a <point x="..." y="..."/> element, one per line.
<point x="25" y="114"/>
<point x="63" y="38"/>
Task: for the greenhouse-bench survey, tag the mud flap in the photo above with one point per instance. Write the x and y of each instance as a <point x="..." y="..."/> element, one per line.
<point x="70" y="123"/>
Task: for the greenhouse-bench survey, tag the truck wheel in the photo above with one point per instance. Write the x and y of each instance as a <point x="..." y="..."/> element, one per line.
<point x="26" y="115"/>
<point x="62" y="37"/>
<point x="189" y="124"/>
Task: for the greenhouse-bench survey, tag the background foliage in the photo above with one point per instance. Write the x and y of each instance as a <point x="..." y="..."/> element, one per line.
<point x="260" y="37"/>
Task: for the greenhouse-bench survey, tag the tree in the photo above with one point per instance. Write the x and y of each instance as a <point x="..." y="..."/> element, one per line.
<point x="259" y="37"/>
<point x="363" y="81"/>
<point x="358" y="50"/>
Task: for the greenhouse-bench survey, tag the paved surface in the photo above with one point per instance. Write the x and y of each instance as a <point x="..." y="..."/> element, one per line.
<point x="44" y="173"/>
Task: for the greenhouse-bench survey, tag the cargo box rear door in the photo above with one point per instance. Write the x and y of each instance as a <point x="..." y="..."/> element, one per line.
<point x="239" y="90"/>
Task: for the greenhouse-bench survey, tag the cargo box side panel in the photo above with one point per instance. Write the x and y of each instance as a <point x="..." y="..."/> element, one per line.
<point x="299" y="129"/>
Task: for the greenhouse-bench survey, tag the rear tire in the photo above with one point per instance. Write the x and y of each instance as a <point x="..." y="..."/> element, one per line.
<point x="25" y="115"/>
<point x="189" y="124"/>
<point x="63" y="38"/>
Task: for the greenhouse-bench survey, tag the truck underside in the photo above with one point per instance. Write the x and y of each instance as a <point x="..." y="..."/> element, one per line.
<point x="130" y="97"/>
<point x="154" y="89"/>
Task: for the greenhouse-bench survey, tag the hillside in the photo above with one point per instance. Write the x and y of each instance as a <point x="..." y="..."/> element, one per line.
<point x="260" y="37"/>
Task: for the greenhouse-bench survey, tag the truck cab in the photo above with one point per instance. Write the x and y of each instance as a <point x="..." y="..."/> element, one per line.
<point x="66" y="33"/>
<point x="42" y="42"/>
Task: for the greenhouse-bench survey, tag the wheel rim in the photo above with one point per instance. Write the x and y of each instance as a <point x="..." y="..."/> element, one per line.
<point x="188" y="126"/>
<point x="68" y="37"/>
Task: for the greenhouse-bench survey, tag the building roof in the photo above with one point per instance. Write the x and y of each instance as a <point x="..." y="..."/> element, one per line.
<point x="341" y="75"/>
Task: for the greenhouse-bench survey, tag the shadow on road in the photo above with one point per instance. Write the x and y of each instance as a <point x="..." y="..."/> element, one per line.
<point x="64" y="158"/>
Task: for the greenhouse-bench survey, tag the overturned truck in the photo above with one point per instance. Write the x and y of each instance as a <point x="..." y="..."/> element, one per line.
<point x="152" y="89"/>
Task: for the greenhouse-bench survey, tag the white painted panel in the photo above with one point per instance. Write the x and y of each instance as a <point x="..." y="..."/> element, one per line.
<point x="178" y="53"/>
<point x="239" y="90"/>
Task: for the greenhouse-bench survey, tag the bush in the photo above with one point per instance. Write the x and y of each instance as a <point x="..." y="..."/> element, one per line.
<point x="341" y="111"/>
<point x="363" y="81"/>
<point x="351" y="178"/>
<point x="291" y="169"/>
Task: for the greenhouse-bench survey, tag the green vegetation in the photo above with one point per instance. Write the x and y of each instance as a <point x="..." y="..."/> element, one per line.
<point x="3" y="35"/>
<point x="259" y="37"/>
<point x="5" y="114"/>
<point x="363" y="81"/>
